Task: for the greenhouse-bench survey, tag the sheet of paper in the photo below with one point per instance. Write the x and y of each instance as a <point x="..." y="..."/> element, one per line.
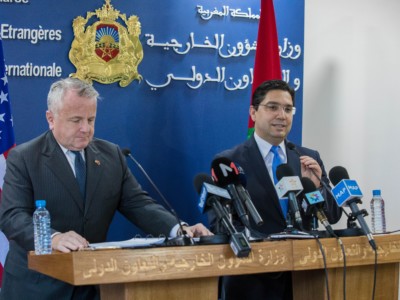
<point x="132" y="243"/>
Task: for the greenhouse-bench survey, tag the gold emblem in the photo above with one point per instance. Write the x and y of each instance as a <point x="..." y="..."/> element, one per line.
<point x="106" y="51"/>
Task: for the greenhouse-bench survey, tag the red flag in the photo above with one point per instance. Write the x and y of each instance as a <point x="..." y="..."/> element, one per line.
<point x="7" y="141"/>
<point x="267" y="64"/>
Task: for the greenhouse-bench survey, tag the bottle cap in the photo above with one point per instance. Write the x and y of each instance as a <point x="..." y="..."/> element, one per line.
<point x="376" y="192"/>
<point x="40" y="203"/>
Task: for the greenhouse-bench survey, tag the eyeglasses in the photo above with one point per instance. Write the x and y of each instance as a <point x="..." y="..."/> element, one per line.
<point x="275" y="108"/>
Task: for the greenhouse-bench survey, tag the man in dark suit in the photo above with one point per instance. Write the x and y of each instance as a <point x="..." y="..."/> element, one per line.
<point x="272" y="111"/>
<point x="43" y="168"/>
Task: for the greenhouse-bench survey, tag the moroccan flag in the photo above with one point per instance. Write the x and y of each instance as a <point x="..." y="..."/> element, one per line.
<point x="7" y="142"/>
<point x="267" y="64"/>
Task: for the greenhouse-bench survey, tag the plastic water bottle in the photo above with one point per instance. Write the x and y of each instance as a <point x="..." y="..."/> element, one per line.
<point x="378" y="212"/>
<point x="41" y="225"/>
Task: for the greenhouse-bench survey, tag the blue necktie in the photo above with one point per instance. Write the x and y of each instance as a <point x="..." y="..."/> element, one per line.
<point x="276" y="161"/>
<point x="80" y="172"/>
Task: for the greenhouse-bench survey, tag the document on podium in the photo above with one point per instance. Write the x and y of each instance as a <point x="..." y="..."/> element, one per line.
<point x="132" y="243"/>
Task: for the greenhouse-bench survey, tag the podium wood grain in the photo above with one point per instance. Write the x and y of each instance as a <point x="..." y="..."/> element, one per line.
<point x="309" y="275"/>
<point x="192" y="272"/>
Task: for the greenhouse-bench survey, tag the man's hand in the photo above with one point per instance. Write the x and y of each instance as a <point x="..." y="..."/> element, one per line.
<point x="308" y="166"/>
<point x="68" y="241"/>
<point x="197" y="230"/>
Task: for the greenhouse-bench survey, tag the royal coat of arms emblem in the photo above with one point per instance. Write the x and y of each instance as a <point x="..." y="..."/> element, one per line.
<point x="109" y="50"/>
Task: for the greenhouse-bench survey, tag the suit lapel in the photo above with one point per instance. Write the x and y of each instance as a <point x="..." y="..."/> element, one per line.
<point x="256" y="161"/>
<point x="257" y="165"/>
<point x="94" y="170"/>
<point x="293" y="161"/>
<point x="56" y="161"/>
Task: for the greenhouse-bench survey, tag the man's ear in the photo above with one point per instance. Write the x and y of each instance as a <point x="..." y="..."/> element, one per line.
<point x="50" y="119"/>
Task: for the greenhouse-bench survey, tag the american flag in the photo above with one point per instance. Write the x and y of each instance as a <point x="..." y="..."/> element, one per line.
<point x="7" y="141"/>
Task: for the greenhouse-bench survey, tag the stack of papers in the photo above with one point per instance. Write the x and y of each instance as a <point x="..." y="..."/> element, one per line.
<point x="132" y="243"/>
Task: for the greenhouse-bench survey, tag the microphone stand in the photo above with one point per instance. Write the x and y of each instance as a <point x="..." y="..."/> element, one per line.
<point x="352" y="228"/>
<point x="182" y="238"/>
<point x="290" y="231"/>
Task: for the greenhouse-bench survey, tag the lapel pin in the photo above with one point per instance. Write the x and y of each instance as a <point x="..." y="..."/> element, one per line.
<point x="97" y="162"/>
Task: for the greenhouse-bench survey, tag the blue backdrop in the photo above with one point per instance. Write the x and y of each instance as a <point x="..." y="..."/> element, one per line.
<point x="193" y="100"/>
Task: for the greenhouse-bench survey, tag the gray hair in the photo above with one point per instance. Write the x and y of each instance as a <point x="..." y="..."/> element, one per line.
<point x="59" y="88"/>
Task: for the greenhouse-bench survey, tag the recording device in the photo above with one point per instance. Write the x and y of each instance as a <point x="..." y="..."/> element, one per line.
<point x="289" y="186"/>
<point x="245" y="196"/>
<point x="226" y="175"/>
<point x="348" y="193"/>
<point x="208" y="191"/>
<point x="292" y="146"/>
<point x="182" y="239"/>
<point x="315" y="203"/>
<point x="210" y="197"/>
<point x="350" y="221"/>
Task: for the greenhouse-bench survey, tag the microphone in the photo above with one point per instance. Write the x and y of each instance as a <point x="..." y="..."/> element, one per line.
<point x="206" y="188"/>
<point x="183" y="238"/>
<point x="245" y="196"/>
<point x="289" y="186"/>
<point x="210" y="197"/>
<point x="292" y="146"/>
<point x="315" y="202"/>
<point x="225" y="174"/>
<point x="347" y="192"/>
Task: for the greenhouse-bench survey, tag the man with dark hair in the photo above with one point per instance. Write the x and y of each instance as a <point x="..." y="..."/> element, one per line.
<point x="272" y="110"/>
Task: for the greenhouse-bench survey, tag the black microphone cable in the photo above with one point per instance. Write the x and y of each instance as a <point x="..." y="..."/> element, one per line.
<point x="336" y="174"/>
<point x="184" y="238"/>
<point x="292" y="146"/>
<point x="375" y="271"/>
<point x="344" y="266"/>
<point x="321" y="249"/>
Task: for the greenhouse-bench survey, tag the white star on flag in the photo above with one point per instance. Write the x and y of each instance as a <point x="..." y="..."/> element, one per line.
<point x="7" y="141"/>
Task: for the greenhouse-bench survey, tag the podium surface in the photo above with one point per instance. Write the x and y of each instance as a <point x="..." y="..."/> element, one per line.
<point x="191" y="272"/>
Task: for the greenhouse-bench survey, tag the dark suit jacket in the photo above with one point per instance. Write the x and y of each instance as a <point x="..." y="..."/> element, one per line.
<point x="262" y="191"/>
<point x="39" y="169"/>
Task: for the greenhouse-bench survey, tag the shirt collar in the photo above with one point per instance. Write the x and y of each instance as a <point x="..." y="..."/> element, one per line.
<point x="67" y="151"/>
<point x="265" y="147"/>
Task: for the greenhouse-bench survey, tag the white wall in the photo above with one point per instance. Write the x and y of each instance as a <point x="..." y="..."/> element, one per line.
<point x="351" y="93"/>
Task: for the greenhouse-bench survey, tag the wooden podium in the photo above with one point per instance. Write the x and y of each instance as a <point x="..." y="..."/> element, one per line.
<point x="192" y="272"/>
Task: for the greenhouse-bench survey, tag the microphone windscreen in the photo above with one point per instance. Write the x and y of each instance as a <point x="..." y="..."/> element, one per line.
<point x="242" y="175"/>
<point x="308" y="185"/>
<point x="126" y="151"/>
<point x="224" y="172"/>
<point x="284" y="170"/>
<point x="290" y="145"/>
<point x="338" y="173"/>
<point x="199" y="179"/>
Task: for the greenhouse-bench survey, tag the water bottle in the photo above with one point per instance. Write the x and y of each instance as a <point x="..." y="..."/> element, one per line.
<point x="41" y="225"/>
<point x="378" y="212"/>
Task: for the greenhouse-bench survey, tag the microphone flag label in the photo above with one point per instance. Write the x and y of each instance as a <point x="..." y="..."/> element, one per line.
<point x="202" y="199"/>
<point x="288" y="184"/>
<point x="210" y="189"/>
<point x="314" y="197"/>
<point x="346" y="190"/>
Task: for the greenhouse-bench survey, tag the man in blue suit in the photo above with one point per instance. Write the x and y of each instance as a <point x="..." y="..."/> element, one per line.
<point x="272" y="110"/>
<point x="44" y="168"/>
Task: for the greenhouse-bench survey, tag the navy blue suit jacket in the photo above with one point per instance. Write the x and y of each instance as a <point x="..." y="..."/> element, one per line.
<point x="261" y="187"/>
<point x="262" y="191"/>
